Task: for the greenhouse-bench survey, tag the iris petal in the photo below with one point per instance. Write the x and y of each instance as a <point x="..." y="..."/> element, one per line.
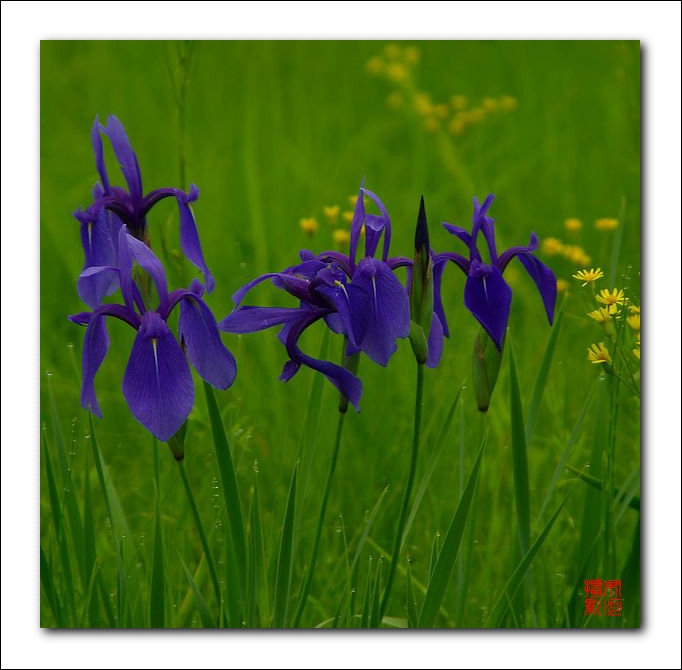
<point x="251" y="319"/>
<point x="157" y="383"/>
<point x="126" y="156"/>
<point x="205" y="350"/>
<point x="435" y="342"/>
<point x="488" y="298"/>
<point x="189" y="237"/>
<point x="545" y="281"/>
<point x="380" y="309"/>
<point x="95" y="349"/>
<point x="98" y="149"/>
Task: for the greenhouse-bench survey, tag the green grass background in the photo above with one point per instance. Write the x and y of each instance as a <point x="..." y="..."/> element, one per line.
<point x="275" y="131"/>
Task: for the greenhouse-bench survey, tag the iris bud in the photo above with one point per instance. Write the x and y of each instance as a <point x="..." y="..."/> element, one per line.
<point x="421" y="289"/>
<point x="177" y="442"/>
<point x="486" y="366"/>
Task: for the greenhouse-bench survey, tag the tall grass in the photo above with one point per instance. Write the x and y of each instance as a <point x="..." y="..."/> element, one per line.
<point x="503" y="536"/>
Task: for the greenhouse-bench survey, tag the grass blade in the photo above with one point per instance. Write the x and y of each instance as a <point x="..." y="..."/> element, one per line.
<point x="259" y="562"/>
<point x="207" y="619"/>
<point x="448" y="554"/>
<point x="200" y="529"/>
<point x="543" y="374"/>
<point x="89" y="595"/>
<point x="375" y="615"/>
<point x="519" y="453"/>
<point x="597" y="484"/>
<point x="573" y="438"/>
<point x="157" y="597"/>
<point x="368" y="527"/>
<point x="617" y="243"/>
<point x="412" y="611"/>
<point x="49" y="589"/>
<point x="499" y="611"/>
<point x="229" y="483"/>
<point x="284" y="560"/>
<point x="432" y="463"/>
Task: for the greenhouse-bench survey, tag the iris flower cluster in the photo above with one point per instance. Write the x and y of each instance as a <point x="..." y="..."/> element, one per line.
<point x="357" y="295"/>
<point x="157" y="383"/>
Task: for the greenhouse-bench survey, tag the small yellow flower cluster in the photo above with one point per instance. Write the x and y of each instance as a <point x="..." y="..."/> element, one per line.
<point x="598" y="354"/>
<point x="613" y="305"/>
<point x="561" y="285"/>
<point x="588" y="276"/>
<point x="573" y="225"/>
<point x="396" y="63"/>
<point x="553" y="246"/>
<point x="332" y="213"/>
<point x="308" y="225"/>
<point x="606" y="224"/>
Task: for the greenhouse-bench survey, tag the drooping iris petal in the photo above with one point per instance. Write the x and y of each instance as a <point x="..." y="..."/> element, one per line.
<point x="157" y="383"/>
<point x="98" y="149"/>
<point x="544" y="279"/>
<point x="380" y="307"/>
<point x="189" y="237"/>
<point x="461" y="233"/>
<point x="347" y="383"/>
<point x="488" y="298"/>
<point x="251" y="319"/>
<point x="378" y="224"/>
<point x="435" y="342"/>
<point x="205" y="350"/>
<point x="126" y="156"/>
<point x="95" y="347"/>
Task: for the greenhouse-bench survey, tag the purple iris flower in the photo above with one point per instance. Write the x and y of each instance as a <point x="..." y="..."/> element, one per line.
<point x="323" y="293"/>
<point x="486" y="295"/>
<point x="113" y="206"/>
<point x="379" y="302"/>
<point x="157" y="383"/>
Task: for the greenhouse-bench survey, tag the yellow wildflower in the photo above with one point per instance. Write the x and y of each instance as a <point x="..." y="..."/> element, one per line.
<point x="598" y="353"/>
<point x="341" y="237"/>
<point x="552" y="246"/>
<point x="634" y="322"/>
<point x="477" y="114"/>
<point x="611" y="298"/>
<point x="634" y="309"/>
<point x="347" y="217"/>
<point x="412" y="55"/>
<point x="490" y="104"/>
<point x="588" y="276"/>
<point x="600" y="315"/>
<point x="508" y="103"/>
<point x="308" y="225"/>
<point x="396" y="72"/>
<point x="375" y="65"/>
<point x="331" y="213"/>
<point x="636" y="350"/>
<point x="422" y="103"/>
<point x="606" y="224"/>
<point x="352" y="199"/>
<point x="576" y="254"/>
<point x="458" y="102"/>
<point x="573" y="224"/>
<point x="561" y="285"/>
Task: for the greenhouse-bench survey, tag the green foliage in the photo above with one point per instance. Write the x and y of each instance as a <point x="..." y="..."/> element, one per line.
<point x="285" y="129"/>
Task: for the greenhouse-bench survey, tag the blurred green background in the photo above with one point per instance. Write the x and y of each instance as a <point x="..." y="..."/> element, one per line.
<point x="274" y="132"/>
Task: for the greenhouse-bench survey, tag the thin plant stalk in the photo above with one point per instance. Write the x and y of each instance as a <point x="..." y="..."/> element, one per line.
<point x="404" y="508"/>
<point x="350" y="363"/>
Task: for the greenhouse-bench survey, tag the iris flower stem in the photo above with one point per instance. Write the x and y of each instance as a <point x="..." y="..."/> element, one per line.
<point x="305" y="589"/>
<point x="200" y="528"/>
<point x="408" y="491"/>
